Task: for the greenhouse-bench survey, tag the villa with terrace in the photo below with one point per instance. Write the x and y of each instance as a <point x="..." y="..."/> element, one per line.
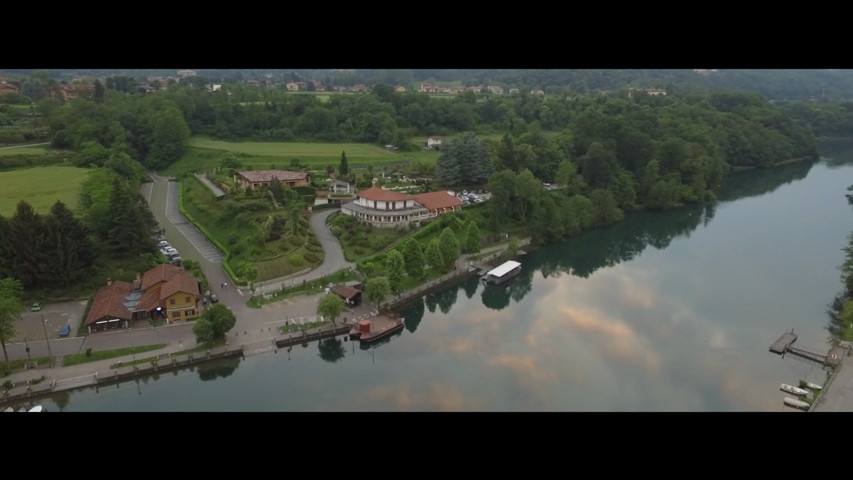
<point x="385" y="208"/>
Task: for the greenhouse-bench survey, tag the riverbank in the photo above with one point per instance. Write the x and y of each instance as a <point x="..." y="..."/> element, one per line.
<point x="264" y="337"/>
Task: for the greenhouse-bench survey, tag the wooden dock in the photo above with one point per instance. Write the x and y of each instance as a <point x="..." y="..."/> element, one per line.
<point x="785" y="341"/>
<point x="785" y="345"/>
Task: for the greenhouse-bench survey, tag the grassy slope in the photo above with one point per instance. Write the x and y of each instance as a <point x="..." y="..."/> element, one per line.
<point x="41" y="187"/>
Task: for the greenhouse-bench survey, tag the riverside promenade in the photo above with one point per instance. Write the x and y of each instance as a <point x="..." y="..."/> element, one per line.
<point x="257" y="332"/>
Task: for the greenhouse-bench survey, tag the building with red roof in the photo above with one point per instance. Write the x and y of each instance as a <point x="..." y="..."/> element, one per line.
<point x="386" y="208"/>
<point x="165" y="291"/>
<point x="261" y="178"/>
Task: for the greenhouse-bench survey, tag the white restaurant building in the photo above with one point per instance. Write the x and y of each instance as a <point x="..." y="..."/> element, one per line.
<point x="385" y="208"/>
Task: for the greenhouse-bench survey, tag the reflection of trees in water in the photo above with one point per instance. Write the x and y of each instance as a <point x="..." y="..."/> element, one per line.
<point x="470" y="286"/>
<point x="496" y="297"/>
<point x="522" y="284"/>
<point x="606" y="247"/>
<point x="753" y="183"/>
<point x="62" y="398"/>
<point x="836" y="151"/>
<point x="430" y="301"/>
<point x="218" y="368"/>
<point x="331" y="349"/>
<point x="446" y="298"/>
<point x="413" y="313"/>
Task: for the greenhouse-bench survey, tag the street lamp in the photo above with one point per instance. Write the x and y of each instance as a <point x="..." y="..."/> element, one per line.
<point x="27" y="345"/>
<point x="43" y="326"/>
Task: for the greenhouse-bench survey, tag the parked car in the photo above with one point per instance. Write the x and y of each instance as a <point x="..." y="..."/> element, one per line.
<point x="176" y="260"/>
<point x="213" y="298"/>
<point x="36" y="307"/>
<point x="163" y="243"/>
<point x="65" y="330"/>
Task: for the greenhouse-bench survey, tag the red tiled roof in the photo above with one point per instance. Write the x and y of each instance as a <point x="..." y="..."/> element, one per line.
<point x="149" y="300"/>
<point x="379" y="194"/>
<point x="109" y="302"/>
<point x="160" y="273"/>
<point x="267" y="175"/>
<point x="344" y="291"/>
<point x="439" y="199"/>
<point x="182" y="282"/>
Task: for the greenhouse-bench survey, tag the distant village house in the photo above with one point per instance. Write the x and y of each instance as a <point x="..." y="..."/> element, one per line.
<point x="262" y="178"/>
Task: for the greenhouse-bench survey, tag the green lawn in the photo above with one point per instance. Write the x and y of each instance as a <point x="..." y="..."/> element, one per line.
<point x="41" y="187"/>
<point x="26" y="150"/>
<point x="205" y="154"/>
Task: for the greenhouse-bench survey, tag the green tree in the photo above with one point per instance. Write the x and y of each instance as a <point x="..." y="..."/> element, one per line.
<point x="395" y="268"/>
<point x="377" y="289"/>
<point x="512" y="247"/>
<point x="449" y="246"/>
<point x="214" y="324"/>
<point x="11" y="307"/>
<point x="295" y="218"/>
<point x="433" y="255"/>
<point x="464" y="161"/>
<point x="473" y="241"/>
<point x="276" y="189"/>
<point x="127" y="230"/>
<point x="230" y="161"/>
<point x="343" y="168"/>
<point x="248" y="271"/>
<point x="25" y="237"/>
<point x="331" y="306"/>
<point x="414" y="258"/>
<point x="70" y="252"/>
<point x="98" y="92"/>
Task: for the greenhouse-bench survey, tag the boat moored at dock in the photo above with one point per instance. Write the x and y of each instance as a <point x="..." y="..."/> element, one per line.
<point x="793" y="402"/>
<point x="792" y="389"/>
<point x="502" y="272"/>
<point x="811" y="385"/>
<point x="376" y="327"/>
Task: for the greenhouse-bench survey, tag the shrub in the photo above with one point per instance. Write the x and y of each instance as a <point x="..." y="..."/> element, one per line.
<point x="312" y="257"/>
<point x="295" y="240"/>
<point x="336" y="231"/>
<point x="296" y="260"/>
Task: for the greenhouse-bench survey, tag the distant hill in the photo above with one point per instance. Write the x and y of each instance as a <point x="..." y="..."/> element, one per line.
<point x="774" y="84"/>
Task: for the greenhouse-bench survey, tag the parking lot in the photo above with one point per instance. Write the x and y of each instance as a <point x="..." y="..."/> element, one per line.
<point x="48" y="321"/>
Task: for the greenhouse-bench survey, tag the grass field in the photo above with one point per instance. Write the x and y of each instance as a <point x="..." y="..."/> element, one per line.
<point x="204" y="154"/>
<point x="41" y="187"/>
<point x="26" y="150"/>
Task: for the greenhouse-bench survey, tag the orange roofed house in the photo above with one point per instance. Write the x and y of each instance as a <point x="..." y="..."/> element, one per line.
<point x="385" y="208"/>
<point x="262" y="178"/>
<point x="165" y="291"/>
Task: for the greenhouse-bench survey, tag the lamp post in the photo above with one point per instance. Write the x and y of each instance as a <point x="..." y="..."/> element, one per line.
<point x="27" y="345"/>
<point x="43" y="326"/>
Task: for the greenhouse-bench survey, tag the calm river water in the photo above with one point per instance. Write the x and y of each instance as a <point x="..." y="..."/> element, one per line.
<point x="665" y="312"/>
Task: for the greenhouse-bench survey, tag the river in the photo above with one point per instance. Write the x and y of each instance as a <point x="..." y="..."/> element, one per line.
<point x="665" y="312"/>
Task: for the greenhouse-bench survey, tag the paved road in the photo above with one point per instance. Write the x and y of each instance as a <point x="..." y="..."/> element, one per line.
<point x="252" y="325"/>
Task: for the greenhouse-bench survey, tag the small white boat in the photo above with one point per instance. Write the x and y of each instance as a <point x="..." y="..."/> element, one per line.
<point x="793" y="402"/>
<point x="811" y="385"/>
<point x="37" y="408"/>
<point x="792" y="389"/>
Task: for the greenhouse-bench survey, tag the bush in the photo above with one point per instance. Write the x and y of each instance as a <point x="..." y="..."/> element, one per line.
<point x="295" y="240"/>
<point x="296" y="260"/>
<point x="336" y="231"/>
<point x="312" y="257"/>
